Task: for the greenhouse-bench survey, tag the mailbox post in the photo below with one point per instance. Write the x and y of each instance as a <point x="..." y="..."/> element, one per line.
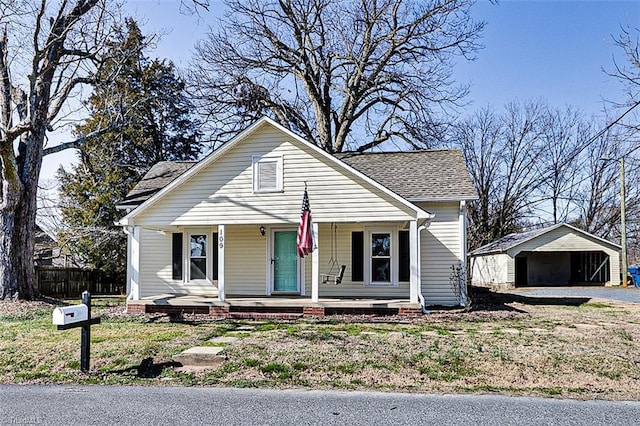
<point x="68" y="317"/>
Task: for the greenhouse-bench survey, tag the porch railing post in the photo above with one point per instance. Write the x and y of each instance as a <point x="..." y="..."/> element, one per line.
<point x="221" y="244"/>
<point x="315" y="266"/>
<point x="414" y="257"/>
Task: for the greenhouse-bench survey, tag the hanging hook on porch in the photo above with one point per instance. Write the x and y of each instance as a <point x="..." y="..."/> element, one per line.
<point x="335" y="271"/>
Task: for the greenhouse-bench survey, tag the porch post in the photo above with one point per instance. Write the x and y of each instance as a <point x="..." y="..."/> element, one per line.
<point x="221" y="244"/>
<point x="133" y="269"/>
<point x="315" y="265"/>
<point x="414" y="259"/>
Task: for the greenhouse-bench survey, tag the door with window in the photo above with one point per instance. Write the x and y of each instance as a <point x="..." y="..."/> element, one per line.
<point x="284" y="262"/>
<point x="198" y="257"/>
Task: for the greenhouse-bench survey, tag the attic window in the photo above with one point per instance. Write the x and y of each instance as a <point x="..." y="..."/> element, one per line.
<point x="267" y="173"/>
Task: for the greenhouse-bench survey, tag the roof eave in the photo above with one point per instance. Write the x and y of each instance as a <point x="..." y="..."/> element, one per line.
<point x="441" y="199"/>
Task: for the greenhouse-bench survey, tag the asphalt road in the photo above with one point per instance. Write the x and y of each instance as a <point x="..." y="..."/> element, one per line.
<point x="117" y="405"/>
<point x="629" y="294"/>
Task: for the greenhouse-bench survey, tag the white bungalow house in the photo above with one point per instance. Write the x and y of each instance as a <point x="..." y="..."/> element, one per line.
<point x="386" y="225"/>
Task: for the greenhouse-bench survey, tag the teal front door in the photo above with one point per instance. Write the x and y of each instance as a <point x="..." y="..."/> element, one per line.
<point x="285" y="261"/>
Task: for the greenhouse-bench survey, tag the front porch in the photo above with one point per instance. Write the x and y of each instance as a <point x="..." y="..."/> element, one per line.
<point x="270" y="307"/>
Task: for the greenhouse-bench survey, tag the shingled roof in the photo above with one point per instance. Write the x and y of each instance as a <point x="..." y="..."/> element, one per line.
<point x="159" y="176"/>
<point x="428" y="175"/>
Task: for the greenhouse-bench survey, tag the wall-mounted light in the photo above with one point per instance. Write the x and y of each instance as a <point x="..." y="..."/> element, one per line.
<point x="262" y="230"/>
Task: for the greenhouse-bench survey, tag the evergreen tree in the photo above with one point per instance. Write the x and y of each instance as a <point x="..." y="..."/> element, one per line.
<point x="143" y="104"/>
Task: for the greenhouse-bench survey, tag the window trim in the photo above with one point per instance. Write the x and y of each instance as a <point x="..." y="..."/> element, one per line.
<point x="207" y="257"/>
<point x="186" y="258"/>
<point x="393" y="256"/>
<point x="270" y="158"/>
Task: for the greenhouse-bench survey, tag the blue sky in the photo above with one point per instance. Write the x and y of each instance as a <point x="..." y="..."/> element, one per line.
<point x="552" y="50"/>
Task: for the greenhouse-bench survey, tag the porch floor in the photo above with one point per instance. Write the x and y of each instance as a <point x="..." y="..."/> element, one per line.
<point x="271" y="306"/>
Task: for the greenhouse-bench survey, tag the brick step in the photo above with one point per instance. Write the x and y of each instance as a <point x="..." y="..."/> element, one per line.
<point x="266" y="309"/>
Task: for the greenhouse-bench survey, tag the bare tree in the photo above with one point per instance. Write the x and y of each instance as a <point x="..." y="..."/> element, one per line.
<point x="345" y="74"/>
<point x="563" y="133"/>
<point x="628" y="72"/>
<point x="479" y="138"/>
<point x="502" y="153"/>
<point x="597" y="197"/>
<point x="47" y="51"/>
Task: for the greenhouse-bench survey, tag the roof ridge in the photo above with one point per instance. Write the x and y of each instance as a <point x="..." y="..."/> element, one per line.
<point x="413" y="151"/>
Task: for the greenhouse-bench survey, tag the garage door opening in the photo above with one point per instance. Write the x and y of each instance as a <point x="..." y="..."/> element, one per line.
<point x="561" y="268"/>
<point x="589" y="267"/>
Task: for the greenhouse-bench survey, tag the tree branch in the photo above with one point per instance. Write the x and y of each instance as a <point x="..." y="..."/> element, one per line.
<point x="77" y="143"/>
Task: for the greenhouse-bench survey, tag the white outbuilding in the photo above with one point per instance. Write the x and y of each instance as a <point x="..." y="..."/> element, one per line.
<point x="558" y="255"/>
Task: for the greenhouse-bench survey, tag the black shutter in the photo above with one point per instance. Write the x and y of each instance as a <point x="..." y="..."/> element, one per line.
<point x="176" y="256"/>
<point x="357" y="256"/>
<point x="404" y="258"/>
<point x="215" y="256"/>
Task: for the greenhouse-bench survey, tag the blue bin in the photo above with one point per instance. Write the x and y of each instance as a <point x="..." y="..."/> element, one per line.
<point x="634" y="271"/>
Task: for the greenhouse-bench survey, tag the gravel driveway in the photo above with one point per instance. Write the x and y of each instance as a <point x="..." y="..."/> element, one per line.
<point x="629" y="294"/>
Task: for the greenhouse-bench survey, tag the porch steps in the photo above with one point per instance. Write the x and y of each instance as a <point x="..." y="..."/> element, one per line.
<point x="266" y="312"/>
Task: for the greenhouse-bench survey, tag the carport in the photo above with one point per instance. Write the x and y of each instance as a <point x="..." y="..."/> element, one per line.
<point x="558" y="255"/>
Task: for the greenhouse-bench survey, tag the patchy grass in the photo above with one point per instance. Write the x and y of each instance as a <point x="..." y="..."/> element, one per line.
<point x="552" y="349"/>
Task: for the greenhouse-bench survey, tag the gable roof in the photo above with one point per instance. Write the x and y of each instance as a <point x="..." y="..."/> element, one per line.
<point x="164" y="177"/>
<point x="428" y="175"/>
<point x="510" y="241"/>
<point x="425" y="175"/>
<point x="159" y="176"/>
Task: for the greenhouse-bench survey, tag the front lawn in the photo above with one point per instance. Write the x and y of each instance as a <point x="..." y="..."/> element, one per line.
<point x="549" y="347"/>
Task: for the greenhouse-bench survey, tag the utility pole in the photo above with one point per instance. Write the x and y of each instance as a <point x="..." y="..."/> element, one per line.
<point x="623" y="224"/>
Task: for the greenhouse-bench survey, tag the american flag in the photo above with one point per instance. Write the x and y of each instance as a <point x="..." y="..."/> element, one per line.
<point x="305" y="233"/>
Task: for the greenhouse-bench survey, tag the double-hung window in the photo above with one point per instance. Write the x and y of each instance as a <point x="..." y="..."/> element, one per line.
<point x="267" y="173"/>
<point x="380" y="264"/>
<point x="380" y="256"/>
<point x="200" y="256"/>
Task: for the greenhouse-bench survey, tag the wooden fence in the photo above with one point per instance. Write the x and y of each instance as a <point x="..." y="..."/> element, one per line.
<point x="71" y="282"/>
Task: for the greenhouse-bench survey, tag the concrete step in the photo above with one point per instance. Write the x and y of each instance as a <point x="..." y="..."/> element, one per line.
<point x="201" y="356"/>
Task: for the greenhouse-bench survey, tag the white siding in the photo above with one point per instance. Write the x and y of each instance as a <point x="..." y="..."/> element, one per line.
<point x="155" y="268"/>
<point x="490" y="270"/>
<point x="440" y="248"/>
<point x="245" y="261"/>
<point x="348" y="288"/>
<point x="223" y="191"/>
<point x="562" y="239"/>
<point x="247" y="267"/>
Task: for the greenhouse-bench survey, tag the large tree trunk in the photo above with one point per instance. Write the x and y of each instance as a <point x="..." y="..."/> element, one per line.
<point x="17" y="274"/>
<point x="8" y="271"/>
<point x="18" y="222"/>
<point x="66" y="37"/>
